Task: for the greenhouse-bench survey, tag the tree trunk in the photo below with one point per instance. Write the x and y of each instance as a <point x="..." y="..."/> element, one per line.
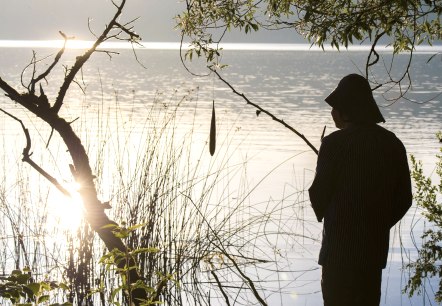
<point x="82" y="172"/>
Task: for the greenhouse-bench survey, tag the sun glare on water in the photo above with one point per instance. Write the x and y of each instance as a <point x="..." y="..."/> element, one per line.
<point x="67" y="211"/>
<point x="85" y="44"/>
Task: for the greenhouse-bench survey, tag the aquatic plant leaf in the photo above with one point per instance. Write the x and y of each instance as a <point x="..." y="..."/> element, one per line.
<point x="212" y="142"/>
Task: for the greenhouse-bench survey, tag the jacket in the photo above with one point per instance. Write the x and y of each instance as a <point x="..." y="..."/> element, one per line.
<point x="361" y="189"/>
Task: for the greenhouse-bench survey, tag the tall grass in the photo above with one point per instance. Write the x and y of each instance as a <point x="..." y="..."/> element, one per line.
<point x="216" y="245"/>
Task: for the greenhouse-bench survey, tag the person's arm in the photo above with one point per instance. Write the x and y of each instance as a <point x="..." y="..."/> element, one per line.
<point x="323" y="185"/>
<point x="403" y="196"/>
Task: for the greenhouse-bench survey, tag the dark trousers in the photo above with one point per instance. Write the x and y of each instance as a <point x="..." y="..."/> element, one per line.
<point x="345" y="287"/>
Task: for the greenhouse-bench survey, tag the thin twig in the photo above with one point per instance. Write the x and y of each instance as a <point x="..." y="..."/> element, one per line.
<point x="265" y="111"/>
<point x="220" y="286"/>
<point x="81" y="60"/>
<point x="249" y="282"/>
<point x="56" y="60"/>
<point x="323" y="132"/>
<point x="183" y="61"/>
<point x="32" y="63"/>
<point x="373" y="51"/>
<point x="50" y="137"/>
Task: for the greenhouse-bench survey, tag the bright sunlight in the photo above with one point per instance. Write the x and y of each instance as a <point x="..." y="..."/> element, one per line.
<point x="67" y="211"/>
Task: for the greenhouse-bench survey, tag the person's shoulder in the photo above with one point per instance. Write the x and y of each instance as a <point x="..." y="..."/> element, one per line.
<point x="390" y="137"/>
<point x="333" y="140"/>
<point x="335" y="136"/>
<point x="381" y="129"/>
<point x="357" y="132"/>
<point x="387" y="133"/>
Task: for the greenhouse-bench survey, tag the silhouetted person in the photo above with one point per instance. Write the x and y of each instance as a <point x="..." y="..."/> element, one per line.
<point x="361" y="189"/>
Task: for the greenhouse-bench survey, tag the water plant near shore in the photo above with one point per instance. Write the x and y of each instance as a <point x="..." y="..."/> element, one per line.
<point x="210" y="240"/>
<point x="427" y="197"/>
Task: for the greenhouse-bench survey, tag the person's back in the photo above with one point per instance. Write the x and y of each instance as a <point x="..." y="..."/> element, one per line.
<point x="361" y="189"/>
<point x="369" y="172"/>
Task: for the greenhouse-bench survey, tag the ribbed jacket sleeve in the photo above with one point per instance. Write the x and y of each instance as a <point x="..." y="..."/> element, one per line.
<point x="326" y="172"/>
<point x="403" y="196"/>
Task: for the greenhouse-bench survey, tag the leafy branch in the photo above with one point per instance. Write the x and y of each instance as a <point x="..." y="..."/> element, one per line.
<point x="340" y="23"/>
<point x="427" y="197"/>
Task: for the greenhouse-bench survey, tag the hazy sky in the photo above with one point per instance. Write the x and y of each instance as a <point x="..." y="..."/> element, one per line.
<point x="42" y="19"/>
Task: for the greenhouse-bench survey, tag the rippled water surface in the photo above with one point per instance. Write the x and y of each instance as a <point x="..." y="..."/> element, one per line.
<point x="291" y="85"/>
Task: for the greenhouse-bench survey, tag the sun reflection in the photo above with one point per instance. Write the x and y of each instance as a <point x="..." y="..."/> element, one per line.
<point x="86" y="44"/>
<point x="67" y="211"/>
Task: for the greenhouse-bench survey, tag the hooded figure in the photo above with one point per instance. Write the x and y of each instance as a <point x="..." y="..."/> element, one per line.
<point x="354" y="97"/>
<point x="362" y="187"/>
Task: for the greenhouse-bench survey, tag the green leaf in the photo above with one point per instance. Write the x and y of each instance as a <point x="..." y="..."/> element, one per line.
<point x="23" y="278"/>
<point x="431" y="57"/>
<point x="115" y="292"/>
<point x="137" y="226"/>
<point x="34" y="287"/>
<point x="64" y="287"/>
<point x="26" y="269"/>
<point x="42" y="299"/>
<point x="45" y="286"/>
<point x="111" y="225"/>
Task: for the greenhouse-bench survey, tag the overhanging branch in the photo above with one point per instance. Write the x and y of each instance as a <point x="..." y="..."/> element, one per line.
<point x="262" y="110"/>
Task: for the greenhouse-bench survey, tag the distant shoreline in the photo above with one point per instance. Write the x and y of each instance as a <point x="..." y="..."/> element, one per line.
<point x="81" y="44"/>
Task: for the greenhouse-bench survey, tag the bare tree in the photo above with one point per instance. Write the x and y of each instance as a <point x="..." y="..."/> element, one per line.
<point x="48" y="111"/>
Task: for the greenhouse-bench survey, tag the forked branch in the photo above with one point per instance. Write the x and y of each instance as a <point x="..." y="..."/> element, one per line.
<point x="81" y="60"/>
<point x="42" y="76"/>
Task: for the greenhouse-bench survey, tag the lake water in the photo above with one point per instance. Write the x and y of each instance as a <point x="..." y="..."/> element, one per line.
<point x="276" y="166"/>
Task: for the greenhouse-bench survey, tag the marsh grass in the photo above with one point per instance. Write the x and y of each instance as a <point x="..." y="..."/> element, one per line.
<point x="215" y="244"/>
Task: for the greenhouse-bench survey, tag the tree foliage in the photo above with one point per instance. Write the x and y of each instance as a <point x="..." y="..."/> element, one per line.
<point x="400" y="24"/>
<point x="427" y="197"/>
<point x="338" y="22"/>
<point x="20" y="288"/>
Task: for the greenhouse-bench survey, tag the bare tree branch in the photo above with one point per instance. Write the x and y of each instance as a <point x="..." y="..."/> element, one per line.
<point x="46" y="73"/>
<point x="10" y="92"/>
<point x="81" y="168"/>
<point x="260" y="109"/>
<point x="27" y="157"/>
<point x="81" y="60"/>
<point x="33" y="64"/>
<point x="373" y="51"/>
